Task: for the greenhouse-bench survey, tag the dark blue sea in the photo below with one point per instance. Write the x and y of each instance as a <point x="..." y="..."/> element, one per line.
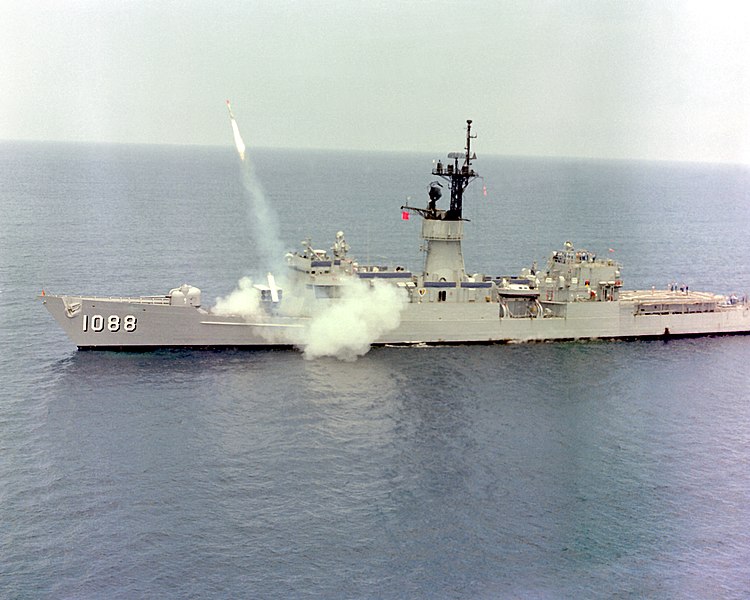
<point x="561" y="470"/>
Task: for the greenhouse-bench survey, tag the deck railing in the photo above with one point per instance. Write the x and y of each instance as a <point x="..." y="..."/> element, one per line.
<point x="161" y="300"/>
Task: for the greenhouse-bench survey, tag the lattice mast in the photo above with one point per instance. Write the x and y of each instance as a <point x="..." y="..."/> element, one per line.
<point x="459" y="175"/>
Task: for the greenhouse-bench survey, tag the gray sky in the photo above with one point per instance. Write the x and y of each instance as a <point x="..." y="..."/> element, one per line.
<point x="653" y="79"/>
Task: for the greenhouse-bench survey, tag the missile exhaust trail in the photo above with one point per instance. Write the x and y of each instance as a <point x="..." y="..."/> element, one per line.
<point x="239" y="144"/>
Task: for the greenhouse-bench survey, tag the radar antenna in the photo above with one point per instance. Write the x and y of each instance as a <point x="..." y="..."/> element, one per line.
<point x="459" y="173"/>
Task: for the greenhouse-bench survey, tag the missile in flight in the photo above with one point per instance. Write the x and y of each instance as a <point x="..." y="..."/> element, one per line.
<point x="240" y="145"/>
<point x="274" y="289"/>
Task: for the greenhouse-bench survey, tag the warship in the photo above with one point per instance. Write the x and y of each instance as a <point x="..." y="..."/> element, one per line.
<point x="577" y="295"/>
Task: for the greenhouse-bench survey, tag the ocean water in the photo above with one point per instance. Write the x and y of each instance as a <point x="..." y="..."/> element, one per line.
<point x="562" y="470"/>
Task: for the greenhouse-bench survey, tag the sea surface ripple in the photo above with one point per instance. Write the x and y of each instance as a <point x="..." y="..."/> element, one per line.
<point x="562" y="470"/>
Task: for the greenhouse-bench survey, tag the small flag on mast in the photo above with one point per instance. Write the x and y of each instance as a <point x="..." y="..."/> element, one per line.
<point x="404" y="215"/>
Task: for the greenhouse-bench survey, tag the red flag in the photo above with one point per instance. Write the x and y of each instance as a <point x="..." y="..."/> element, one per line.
<point x="404" y="215"/>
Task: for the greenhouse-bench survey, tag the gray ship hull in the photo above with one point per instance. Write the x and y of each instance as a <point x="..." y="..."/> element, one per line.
<point x="131" y="324"/>
<point x="118" y="324"/>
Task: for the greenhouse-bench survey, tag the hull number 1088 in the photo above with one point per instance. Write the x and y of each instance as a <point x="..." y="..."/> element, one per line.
<point x="111" y="323"/>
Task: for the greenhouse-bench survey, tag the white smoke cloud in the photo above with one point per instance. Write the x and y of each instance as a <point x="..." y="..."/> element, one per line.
<point x="347" y="327"/>
<point x="243" y="301"/>
<point x="343" y="327"/>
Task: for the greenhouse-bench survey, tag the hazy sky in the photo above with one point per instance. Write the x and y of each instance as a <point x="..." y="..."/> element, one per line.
<point x="654" y="79"/>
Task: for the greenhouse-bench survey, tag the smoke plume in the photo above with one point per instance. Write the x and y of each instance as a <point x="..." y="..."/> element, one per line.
<point x="346" y="328"/>
<point x="243" y="301"/>
<point x="263" y="220"/>
<point x="264" y="224"/>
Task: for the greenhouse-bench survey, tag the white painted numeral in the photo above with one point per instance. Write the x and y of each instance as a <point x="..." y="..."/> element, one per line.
<point x="129" y="323"/>
<point x="113" y="323"/>
<point x="97" y="323"/>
